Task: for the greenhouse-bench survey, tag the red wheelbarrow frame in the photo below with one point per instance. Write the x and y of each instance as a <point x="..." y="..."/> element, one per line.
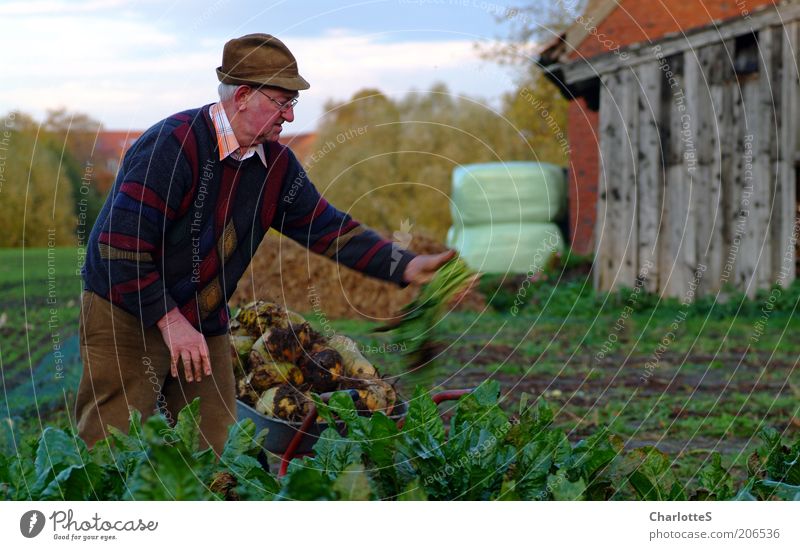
<point x="311" y="418"/>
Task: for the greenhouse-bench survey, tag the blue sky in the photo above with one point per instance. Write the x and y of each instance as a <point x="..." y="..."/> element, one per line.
<point x="130" y="63"/>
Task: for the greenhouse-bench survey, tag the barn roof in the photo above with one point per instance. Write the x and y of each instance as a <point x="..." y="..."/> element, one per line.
<point x="572" y="63"/>
<point x="568" y="41"/>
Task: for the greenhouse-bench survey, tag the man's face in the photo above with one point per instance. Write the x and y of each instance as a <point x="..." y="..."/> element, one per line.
<point x="264" y="117"/>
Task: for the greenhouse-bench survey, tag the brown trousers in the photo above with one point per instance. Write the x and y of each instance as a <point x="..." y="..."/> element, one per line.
<point x="127" y="366"/>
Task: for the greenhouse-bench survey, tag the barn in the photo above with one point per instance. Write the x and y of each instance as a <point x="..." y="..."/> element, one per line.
<point x="684" y="142"/>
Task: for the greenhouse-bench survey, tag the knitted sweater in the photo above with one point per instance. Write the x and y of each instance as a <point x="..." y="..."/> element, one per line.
<point x="180" y="226"/>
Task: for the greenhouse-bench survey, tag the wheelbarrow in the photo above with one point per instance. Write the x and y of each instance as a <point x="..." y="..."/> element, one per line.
<point x="291" y="439"/>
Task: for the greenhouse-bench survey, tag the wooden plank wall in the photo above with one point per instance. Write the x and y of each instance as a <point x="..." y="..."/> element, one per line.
<point x="617" y="220"/>
<point x="649" y="186"/>
<point x="698" y="172"/>
<point x="677" y="246"/>
<point x="784" y="231"/>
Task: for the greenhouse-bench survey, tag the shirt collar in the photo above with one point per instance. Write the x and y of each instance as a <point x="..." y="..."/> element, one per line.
<point x="226" y="140"/>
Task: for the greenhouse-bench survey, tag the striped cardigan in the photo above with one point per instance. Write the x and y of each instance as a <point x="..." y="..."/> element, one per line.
<point x="179" y="227"/>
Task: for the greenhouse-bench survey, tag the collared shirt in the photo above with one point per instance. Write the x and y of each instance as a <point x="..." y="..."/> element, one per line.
<point x="226" y="140"/>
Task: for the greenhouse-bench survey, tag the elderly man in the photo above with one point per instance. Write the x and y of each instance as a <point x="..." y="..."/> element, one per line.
<point x="192" y="200"/>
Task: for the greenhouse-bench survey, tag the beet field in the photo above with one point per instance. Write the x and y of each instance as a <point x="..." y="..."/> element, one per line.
<point x="580" y="395"/>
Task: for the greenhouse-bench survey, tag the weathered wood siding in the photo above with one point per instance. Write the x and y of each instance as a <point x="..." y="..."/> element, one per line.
<point x="698" y="177"/>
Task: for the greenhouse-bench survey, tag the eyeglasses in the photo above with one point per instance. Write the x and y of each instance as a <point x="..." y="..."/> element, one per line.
<point x="282" y="107"/>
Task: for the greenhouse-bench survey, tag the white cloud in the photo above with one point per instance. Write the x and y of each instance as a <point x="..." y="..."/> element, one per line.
<point x="129" y="73"/>
<point x="52" y="7"/>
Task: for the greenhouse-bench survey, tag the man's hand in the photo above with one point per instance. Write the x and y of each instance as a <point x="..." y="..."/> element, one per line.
<point x="422" y="268"/>
<point x="185" y="343"/>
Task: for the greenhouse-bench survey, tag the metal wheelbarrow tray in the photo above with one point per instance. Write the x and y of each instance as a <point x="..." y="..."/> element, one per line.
<point x="281" y="432"/>
<point x="298" y="438"/>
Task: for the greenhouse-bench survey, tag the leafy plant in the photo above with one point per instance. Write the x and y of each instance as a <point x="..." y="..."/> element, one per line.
<point x="484" y="454"/>
<point x="420" y="316"/>
<point x="153" y="461"/>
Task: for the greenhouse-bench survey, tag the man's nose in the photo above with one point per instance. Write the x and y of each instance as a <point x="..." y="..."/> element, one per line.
<point x="288" y="114"/>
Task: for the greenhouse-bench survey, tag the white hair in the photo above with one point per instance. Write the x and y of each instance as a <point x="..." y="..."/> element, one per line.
<point x="226" y="91"/>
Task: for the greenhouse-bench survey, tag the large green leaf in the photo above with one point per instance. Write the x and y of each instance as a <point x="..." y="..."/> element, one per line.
<point x="253" y="482"/>
<point x="563" y="489"/>
<point x="716" y="482"/>
<point x="479" y="410"/>
<point x="380" y="453"/>
<point x="593" y="454"/>
<point x="353" y="484"/>
<point x="119" y="455"/>
<point x="21" y="476"/>
<point x="650" y="474"/>
<point x="380" y="442"/>
<point x="413" y="491"/>
<point x="333" y="453"/>
<point x="423" y="418"/>
<point x="157" y="431"/>
<point x="774" y="461"/>
<point x="535" y="462"/>
<point x="187" y="428"/>
<point x="533" y="422"/>
<point x="242" y="440"/>
<point x="57" y="451"/>
<point x="307" y="484"/>
<point x="169" y="473"/>
<point x="76" y="483"/>
<point x="767" y="490"/>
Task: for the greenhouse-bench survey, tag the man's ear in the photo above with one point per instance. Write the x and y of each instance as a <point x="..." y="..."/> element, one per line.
<point x="240" y="97"/>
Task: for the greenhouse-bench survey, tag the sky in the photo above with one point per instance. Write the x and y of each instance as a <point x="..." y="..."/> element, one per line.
<point x="131" y="63"/>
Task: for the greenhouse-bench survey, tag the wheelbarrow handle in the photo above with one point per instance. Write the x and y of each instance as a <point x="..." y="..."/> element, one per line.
<point x="308" y="421"/>
<point x="450" y="395"/>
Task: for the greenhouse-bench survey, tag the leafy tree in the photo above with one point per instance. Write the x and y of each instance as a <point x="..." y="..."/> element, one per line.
<point x="75" y="135"/>
<point x="536" y="106"/>
<point x="390" y="160"/>
<point x="539" y="110"/>
<point x="35" y="196"/>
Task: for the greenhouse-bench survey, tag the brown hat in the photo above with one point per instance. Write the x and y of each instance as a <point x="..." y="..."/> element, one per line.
<point x="260" y="60"/>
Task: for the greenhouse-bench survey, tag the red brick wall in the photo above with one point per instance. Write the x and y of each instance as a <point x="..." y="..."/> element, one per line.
<point x="643" y="20"/>
<point x="582" y="125"/>
<point x="640" y="20"/>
